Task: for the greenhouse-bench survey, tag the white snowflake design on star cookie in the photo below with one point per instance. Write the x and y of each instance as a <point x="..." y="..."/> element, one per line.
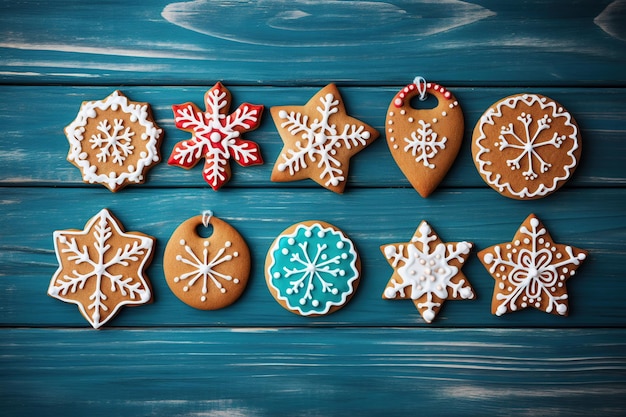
<point x="427" y="271"/>
<point x="531" y="270"/>
<point x="319" y="140"/>
<point x="526" y="146"/>
<point x="101" y="268"/>
<point x="114" y="141"/>
<point x="312" y="269"/>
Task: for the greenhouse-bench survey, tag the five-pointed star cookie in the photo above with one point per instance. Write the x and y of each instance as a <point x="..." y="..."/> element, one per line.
<point x="427" y="271"/>
<point x="319" y="140"/>
<point x="101" y="268"/>
<point x="531" y="270"/>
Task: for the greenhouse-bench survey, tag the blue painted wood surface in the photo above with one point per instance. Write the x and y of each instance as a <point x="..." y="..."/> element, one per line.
<point x="373" y="357"/>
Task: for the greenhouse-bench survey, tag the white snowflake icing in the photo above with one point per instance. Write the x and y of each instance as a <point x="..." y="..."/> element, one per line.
<point x="532" y="274"/>
<point x="115" y="143"/>
<point x="203" y="267"/>
<point x="424" y="144"/>
<point x="134" y="289"/>
<point x="527" y="144"/>
<point x="320" y="139"/>
<point x="427" y="271"/>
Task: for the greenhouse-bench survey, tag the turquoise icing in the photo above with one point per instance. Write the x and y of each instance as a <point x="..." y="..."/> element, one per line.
<point x="313" y="269"/>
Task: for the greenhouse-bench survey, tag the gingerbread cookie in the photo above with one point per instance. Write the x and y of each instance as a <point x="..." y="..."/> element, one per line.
<point x="114" y="141"/>
<point x="206" y="273"/>
<point x="427" y="271"/>
<point x="312" y="269"/>
<point x="319" y="140"/>
<point x="526" y="146"/>
<point x="216" y="136"/>
<point x="101" y="268"/>
<point x="531" y="270"/>
<point x="424" y="142"/>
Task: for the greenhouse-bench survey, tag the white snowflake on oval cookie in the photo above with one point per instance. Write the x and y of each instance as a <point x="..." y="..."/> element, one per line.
<point x="319" y="140"/>
<point x="427" y="271"/>
<point x="312" y="269"/>
<point x="101" y="268"/>
<point x="531" y="270"/>
<point x="114" y="141"/>
<point x="207" y="273"/>
<point x="526" y="146"/>
<point x="424" y="142"/>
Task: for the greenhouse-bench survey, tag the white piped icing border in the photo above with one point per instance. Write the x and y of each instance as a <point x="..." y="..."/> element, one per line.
<point x="495" y="179"/>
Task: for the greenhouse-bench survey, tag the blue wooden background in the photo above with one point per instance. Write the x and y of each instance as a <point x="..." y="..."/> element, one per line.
<point x="373" y="357"/>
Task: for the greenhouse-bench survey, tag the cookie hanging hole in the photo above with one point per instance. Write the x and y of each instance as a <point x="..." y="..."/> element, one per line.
<point x="429" y="103"/>
<point x="204" y="231"/>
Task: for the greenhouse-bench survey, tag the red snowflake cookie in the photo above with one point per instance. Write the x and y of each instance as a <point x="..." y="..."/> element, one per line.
<point x="216" y="136"/>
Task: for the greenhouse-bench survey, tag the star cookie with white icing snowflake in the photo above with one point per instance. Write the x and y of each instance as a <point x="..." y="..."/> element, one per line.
<point x="427" y="271"/>
<point x="526" y="146"/>
<point x="424" y="142"/>
<point x="216" y="136"/>
<point x="531" y="270"/>
<point x="312" y="269"/>
<point x="114" y="141"/>
<point x="101" y="268"/>
<point x="319" y="140"/>
<point x="207" y="273"/>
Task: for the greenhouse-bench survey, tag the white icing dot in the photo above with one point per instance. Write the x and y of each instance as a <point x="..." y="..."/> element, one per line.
<point x="203" y="298"/>
<point x="223" y="290"/>
<point x="335" y="291"/>
<point x="289" y="291"/>
<point x="411" y="120"/>
<point x="324" y="256"/>
<point x="176" y="279"/>
<point x="342" y="273"/>
<point x="390" y="113"/>
<point x="276" y="275"/>
<point x="340" y="245"/>
<point x="185" y="288"/>
<point x="283" y="114"/>
<point x="315" y="303"/>
<point x="291" y="241"/>
<point x="182" y="242"/>
<point x="434" y="120"/>
<point x="395" y="146"/>
<point x="228" y="244"/>
<point x="390" y="122"/>
<point x="302" y="301"/>
<point x="366" y="135"/>
<point x="403" y="112"/>
<point x="321" y="234"/>
<point x="344" y="256"/>
<point x="285" y="251"/>
<point x="308" y="233"/>
<point x="235" y="254"/>
<point x="206" y="243"/>
<point x="236" y="281"/>
<point x="444" y="114"/>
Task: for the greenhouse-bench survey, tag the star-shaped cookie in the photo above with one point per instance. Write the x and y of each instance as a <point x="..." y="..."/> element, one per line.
<point x="427" y="271"/>
<point x="531" y="270"/>
<point x="319" y="140"/>
<point x="101" y="268"/>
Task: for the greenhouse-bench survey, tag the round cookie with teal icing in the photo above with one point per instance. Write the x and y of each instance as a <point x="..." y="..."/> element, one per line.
<point x="312" y="268"/>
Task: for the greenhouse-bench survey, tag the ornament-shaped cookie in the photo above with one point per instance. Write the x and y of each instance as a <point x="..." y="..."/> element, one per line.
<point x="424" y="142"/>
<point x="526" y="146"/>
<point x="206" y="273"/>
<point x="114" y="141"/>
<point x="312" y="269"/>
<point x="102" y="268"/>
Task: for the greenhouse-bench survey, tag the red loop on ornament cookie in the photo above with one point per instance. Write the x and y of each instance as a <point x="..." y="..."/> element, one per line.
<point x="411" y="90"/>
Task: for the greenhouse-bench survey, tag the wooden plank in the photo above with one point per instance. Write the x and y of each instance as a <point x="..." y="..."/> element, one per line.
<point x="299" y="372"/>
<point x="592" y="219"/>
<point x="483" y="43"/>
<point x="33" y="146"/>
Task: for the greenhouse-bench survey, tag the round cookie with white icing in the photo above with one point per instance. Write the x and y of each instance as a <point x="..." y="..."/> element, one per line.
<point x="206" y="273"/>
<point x="114" y="141"/>
<point x="526" y="146"/>
<point x="312" y="268"/>
<point x="424" y="142"/>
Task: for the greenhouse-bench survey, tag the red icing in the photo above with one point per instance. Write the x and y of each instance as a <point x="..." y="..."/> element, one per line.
<point x="399" y="99"/>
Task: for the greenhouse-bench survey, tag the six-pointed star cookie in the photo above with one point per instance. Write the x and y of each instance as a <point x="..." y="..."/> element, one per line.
<point x="101" y="268"/>
<point x="531" y="270"/>
<point x="427" y="271"/>
<point x="319" y="140"/>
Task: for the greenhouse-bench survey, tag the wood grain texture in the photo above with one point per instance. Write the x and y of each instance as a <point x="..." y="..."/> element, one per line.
<point x="303" y="372"/>
<point x="459" y="43"/>
<point x="373" y="357"/>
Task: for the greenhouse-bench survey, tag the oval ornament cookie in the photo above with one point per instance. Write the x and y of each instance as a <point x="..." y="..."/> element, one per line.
<point x="206" y="273"/>
<point x="424" y="142"/>
<point x="312" y="269"/>
<point x="526" y="146"/>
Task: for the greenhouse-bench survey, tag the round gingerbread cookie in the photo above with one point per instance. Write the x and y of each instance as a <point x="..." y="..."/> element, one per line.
<point x="424" y="142"/>
<point x="114" y="141"/>
<point x="526" y="146"/>
<point x="206" y="273"/>
<point x="312" y="268"/>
